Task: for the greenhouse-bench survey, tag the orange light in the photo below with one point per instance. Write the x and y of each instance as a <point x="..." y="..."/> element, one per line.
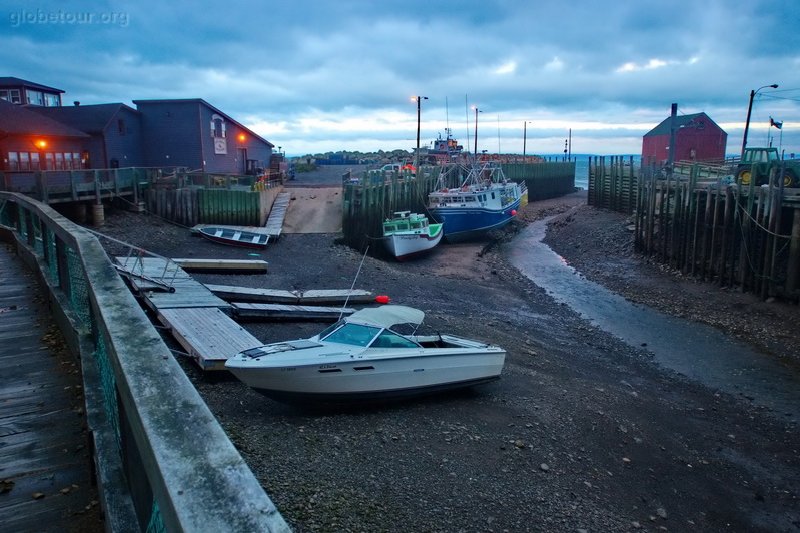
<point x="241" y="137"/>
<point x="41" y="143"/>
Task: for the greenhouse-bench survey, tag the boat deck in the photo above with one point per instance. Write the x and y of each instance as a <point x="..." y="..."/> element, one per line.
<point x="45" y="463"/>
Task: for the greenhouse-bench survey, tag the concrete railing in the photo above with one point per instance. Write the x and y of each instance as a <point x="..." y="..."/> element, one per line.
<point x="162" y="461"/>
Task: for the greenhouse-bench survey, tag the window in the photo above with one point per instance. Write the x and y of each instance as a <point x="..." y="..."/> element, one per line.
<point x="24" y="161"/>
<point x="49" y="162"/>
<point x="121" y="126"/>
<point x="51" y="100"/>
<point x="217" y="127"/>
<point x="79" y="162"/>
<point x="68" y="161"/>
<point x="13" y="161"/>
<point x="35" y="161"/>
<point x="59" y="161"/>
<point x="34" y="97"/>
<point x="10" y="95"/>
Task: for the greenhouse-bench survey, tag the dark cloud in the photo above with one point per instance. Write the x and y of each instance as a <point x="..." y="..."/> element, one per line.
<point x="285" y="65"/>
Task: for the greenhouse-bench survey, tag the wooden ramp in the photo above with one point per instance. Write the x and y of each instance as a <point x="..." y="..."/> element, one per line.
<point x="288" y="312"/>
<point x="274" y="224"/>
<point x="277" y="296"/>
<point x="208" y="335"/>
<point x="188" y="292"/>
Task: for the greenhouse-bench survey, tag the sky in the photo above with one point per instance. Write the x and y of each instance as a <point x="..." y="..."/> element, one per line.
<point x="318" y="76"/>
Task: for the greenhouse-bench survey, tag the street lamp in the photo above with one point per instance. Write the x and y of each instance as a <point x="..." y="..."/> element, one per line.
<point x="525" y="138"/>
<point x="476" y="130"/>
<point x="419" y="100"/>
<point x="749" y="109"/>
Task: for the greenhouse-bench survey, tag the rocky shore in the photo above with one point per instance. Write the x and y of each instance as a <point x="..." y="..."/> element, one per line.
<point x="582" y="433"/>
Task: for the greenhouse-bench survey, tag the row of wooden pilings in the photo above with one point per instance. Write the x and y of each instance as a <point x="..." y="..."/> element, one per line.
<point x="723" y="232"/>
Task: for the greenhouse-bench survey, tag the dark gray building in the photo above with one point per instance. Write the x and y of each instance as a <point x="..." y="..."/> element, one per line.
<point x="192" y="133"/>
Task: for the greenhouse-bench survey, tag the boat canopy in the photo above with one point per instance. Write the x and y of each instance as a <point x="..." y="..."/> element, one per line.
<point x="388" y="315"/>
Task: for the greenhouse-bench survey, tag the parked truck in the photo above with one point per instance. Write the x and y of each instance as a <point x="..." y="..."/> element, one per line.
<point x="763" y="160"/>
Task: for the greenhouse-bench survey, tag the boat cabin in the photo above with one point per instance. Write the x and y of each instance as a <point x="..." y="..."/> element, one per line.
<point x="405" y="221"/>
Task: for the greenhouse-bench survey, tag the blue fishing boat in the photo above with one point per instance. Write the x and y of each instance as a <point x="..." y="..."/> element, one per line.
<point x="483" y="200"/>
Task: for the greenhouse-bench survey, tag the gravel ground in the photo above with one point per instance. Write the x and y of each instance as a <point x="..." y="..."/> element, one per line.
<point x="582" y="433"/>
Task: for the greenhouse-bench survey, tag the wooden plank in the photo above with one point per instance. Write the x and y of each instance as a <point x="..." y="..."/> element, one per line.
<point x="249" y="265"/>
<point x="248" y="294"/>
<point x="277" y="214"/>
<point x="208" y="335"/>
<point x="326" y="296"/>
<point x="290" y="312"/>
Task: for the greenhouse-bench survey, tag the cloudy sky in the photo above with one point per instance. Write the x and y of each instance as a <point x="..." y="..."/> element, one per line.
<point x="314" y="76"/>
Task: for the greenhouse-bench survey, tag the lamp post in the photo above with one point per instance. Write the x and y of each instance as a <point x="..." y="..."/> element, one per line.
<point x="524" y="139"/>
<point x="476" y="130"/>
<point x="749" y="109"/>
<point x="419" y="100"/>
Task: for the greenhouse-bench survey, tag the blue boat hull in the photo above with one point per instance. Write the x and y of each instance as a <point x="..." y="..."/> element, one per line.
<point x="465" y="223"/>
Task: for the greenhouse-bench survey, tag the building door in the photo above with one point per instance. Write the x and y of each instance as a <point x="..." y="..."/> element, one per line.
<point x="242" y="161"/>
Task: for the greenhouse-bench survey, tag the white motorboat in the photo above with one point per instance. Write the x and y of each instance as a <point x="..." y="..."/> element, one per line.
<point x="362" y="357"/>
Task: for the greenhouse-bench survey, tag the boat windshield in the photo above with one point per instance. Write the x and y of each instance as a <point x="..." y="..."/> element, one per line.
<point x="349" y="333"/>
<point x="390" y="339"/>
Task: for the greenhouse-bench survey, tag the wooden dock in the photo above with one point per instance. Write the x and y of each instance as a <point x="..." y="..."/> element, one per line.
<point x="189" y="293"/>
<point x="45" y="463"/>
<point x="251" y="311"/>
<point x="252" y="266"/>
<point x="277" y="296"/>
<point x="208" y="335"/>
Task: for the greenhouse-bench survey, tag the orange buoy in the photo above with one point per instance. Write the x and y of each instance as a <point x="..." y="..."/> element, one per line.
<point x="382" y="299"/>
<point x="513" y="212"/>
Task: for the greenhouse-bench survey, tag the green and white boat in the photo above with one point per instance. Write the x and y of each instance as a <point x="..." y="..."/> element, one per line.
<point x="408" y="234"/>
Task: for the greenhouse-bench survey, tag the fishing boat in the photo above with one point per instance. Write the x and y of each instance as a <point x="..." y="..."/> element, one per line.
<point x="363" y="357"/>
<point x="235" y="236"/>
<point x="408" y="234"/>
<point x="483" y="200"/>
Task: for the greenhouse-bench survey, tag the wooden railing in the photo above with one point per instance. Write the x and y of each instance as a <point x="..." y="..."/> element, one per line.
<point x="163" y="463"/>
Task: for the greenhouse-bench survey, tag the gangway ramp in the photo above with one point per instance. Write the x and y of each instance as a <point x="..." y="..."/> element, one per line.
<point x="274" y="224"/>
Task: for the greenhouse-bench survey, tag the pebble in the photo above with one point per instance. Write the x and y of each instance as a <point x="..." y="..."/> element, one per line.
<point x="543" y="467"/>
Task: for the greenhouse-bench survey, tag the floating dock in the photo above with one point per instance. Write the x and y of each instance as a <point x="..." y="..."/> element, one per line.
<point x="251" y="311"/>
<point x="277" y="296"/>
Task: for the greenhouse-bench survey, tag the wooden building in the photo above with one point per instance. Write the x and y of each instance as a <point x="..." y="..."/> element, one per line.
<point x="115" y="131"/>
<point x="192" y="133"/>
<point x="30" y="141"/>
<point x="697" y="138"/>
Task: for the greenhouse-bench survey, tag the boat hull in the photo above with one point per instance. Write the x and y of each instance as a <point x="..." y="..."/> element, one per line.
<point x="407" y="246"/>
<point x="374" y="378"/>
<point x="464" y="223"/>
<point x="230" y="237"/>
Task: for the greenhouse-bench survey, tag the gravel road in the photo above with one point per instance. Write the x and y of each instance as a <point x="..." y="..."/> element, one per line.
<point x="582" y="433"/>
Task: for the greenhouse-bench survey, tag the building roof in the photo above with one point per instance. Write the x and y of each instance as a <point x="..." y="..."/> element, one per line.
<point x="681" y="121"/>
<point x="20" y="120"/>
<point x="86" y="118"/>
<point x="6" y="81"/>
<point x="203" y="102"/>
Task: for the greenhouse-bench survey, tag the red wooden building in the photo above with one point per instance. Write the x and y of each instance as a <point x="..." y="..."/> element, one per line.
<point x="697" y="138"/>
